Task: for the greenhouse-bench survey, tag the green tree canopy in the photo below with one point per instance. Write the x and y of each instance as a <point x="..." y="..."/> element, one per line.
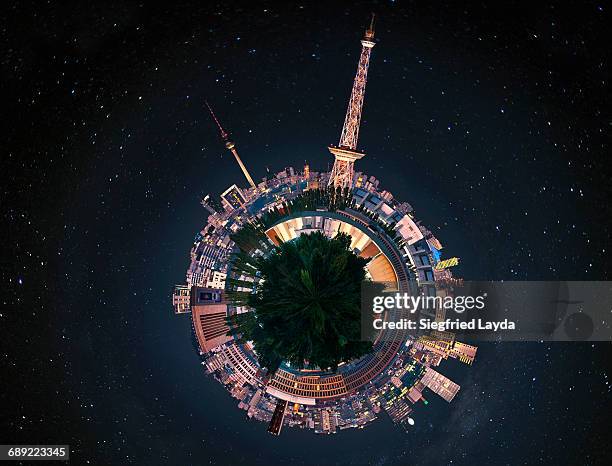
<point x="307" y="308"/>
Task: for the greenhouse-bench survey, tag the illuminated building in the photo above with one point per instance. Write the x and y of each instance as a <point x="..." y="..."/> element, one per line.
<point x="276" y="423"/>
<point x="233" y="197"/>
<point x="447" y="263"/>
<point x="464" y="352"/>
<point x="399" y="410"/>
<point x="414" y="394"/>
<point x="439" y="347"/>
<point x="445" y="345"/>
<point x="209" y="314"/>
<point x="434" y="243"/>
<point x="198" y="278"/>
<point x="217" y="280"/>
<point x="439" y="384"/>
<point x="386" y="195"/>
<point x="409" y="231"/>
<point x="181" y="299"/>
<point x="244" y="369"/>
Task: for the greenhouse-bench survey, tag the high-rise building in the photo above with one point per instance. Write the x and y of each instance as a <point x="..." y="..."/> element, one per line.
<point x="276" y="424"/>
<point x="464" y="352"/>
<point x="408" y="230"/>
<point x="386" y="195"/>
<point x="233" y="197"/>
<point x="209" y="316"/>
<point x="399" y="410"/>
<point x="198" y="278"/>
<point x="439" y="347"/>
<point x="217" y="280"/>
<point x="181" y="299"/>
<point x="439" y="384"/>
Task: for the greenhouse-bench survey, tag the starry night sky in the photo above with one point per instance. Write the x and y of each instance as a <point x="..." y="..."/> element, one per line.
<point x="493" y="122"/>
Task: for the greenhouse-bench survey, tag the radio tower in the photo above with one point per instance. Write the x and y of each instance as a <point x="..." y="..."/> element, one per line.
<point x="346" y="152"/>
<point x="231" y="147"/>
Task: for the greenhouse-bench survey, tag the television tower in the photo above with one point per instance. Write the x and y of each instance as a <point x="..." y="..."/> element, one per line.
<point x="231" y="147"/>
<point x="346" y="152"/>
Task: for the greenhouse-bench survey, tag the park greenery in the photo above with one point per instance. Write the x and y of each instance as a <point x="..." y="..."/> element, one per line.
<point x="304" y="297"/>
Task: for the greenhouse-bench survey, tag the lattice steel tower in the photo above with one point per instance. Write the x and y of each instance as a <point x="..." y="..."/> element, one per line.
<point x="231" y="147"/>
<point x="346" y="152"/>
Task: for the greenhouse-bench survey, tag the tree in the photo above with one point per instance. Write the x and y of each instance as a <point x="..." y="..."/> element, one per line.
<point x="306" y="309"/>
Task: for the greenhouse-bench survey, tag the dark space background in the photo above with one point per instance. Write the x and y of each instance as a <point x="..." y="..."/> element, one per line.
<point x="493" y="121"/>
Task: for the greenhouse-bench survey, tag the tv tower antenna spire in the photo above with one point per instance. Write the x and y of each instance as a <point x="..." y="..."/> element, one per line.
<point x="346" y="152"/>
<point x="231" y="146"/>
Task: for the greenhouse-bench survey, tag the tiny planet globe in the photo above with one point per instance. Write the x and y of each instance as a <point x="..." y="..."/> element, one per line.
<point x="273" y="289"/>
